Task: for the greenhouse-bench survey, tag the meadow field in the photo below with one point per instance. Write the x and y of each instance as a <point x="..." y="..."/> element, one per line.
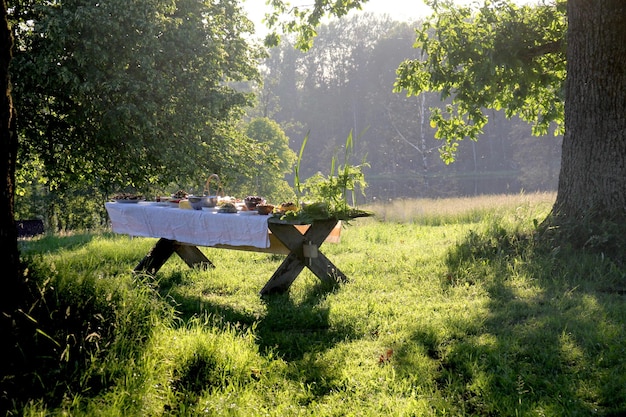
<point x="452" y="308"/>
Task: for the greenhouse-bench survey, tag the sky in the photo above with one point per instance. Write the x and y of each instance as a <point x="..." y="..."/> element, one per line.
<point x="397" y="9"/>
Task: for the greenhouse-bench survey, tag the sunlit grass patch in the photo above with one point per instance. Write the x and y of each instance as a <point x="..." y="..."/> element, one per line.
<point x="457" y="313"/>
<point x="463" y="209"/>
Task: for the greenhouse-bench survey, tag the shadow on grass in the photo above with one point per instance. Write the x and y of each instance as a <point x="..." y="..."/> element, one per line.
<point x="54" y="243"/>
<point x="550" y="339"/>
<point x="64" y="331"/>
<point x="293" y="330"/>
<point x="288" y="328"/>
<point x="88" y="315"/>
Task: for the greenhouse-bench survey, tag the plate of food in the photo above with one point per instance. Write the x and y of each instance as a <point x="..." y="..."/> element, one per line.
<point x="123" y="201"/>
<point x="179" y="195"/>
<point x="127" y="198"/>
<point x="227" y="208"/>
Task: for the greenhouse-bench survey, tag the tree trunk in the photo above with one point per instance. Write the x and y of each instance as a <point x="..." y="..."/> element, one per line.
<point x="9" y="254"/>
<point x="592" y="182"/>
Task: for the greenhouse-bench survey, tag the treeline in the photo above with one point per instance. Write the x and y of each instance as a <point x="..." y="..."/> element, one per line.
<point x="150" y="98"/>
<point x="345" y="83"/>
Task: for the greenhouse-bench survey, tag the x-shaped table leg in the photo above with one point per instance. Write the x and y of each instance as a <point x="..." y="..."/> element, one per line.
<point x="295" y="262"/>
<point x="164" y="248"/>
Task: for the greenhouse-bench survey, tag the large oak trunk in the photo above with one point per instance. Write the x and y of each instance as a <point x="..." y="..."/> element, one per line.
<point x="592" y="182"/>
<point x="9" y="255"/>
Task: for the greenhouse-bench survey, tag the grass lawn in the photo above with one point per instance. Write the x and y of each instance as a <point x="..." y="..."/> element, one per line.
<point x="451" y="308"/>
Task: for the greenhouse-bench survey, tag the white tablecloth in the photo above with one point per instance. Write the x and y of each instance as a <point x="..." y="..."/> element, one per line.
<point x="197" y="227"/>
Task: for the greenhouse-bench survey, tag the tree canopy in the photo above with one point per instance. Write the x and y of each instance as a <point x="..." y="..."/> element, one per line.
<point x="270" y="172"/>
<point x="303" y="20"/>
<point x="127" y="94"/>
<point x="501" y="56"/>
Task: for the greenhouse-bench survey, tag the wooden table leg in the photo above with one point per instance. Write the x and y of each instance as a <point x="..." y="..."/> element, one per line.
<point x="324" y="269"/>
<point x="192" y="256"/>
<point x="295" y="262"/>
<point x="284" y="275"/>
<point x="164" y="248"/>
<point x="157" y="256"/>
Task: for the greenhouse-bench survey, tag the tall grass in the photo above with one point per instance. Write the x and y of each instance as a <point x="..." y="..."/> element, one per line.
<point x="446" y="312"/>
<point x="461" y="209"/>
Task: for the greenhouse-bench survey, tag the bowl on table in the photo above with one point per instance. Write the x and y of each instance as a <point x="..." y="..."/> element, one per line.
<point x="196" y="201"/>
<point x="209" y="201"/>
<point x="227" y="208"/>
<point x="252" y="201"/>
<point x="264" y="209"/>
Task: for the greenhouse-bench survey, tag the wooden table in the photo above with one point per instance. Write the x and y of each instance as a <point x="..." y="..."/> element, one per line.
<point x="299" y="242"/>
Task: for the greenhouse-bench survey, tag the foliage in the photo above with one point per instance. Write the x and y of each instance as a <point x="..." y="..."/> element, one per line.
<point x="268" y="133"/>
<point x="502" y="56"/>
<point x="332" y="196"/>
<point x="303" y="20"/>
<point x="70" y="209"/>
<point x="266" y="175"/>
<point x="131" y="94"/>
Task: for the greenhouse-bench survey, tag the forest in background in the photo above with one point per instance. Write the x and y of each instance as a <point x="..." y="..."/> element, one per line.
<point x="345" y="83"/>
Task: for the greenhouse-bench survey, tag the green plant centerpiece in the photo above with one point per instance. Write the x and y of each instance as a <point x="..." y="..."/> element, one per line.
<point x="323" y="197"/>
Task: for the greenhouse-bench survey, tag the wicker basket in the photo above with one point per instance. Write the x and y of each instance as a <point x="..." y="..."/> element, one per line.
<point x="210" y="200"/>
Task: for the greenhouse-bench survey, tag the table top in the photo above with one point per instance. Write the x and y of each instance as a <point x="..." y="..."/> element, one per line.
<point x="204" y="227"/>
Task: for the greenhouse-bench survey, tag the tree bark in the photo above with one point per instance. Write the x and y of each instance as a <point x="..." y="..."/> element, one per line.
<point x="9" y="254"/>
<point x="592" y="181"/>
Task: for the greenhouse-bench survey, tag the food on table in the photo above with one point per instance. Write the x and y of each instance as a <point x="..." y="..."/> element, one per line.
<point x="252" y="201"/>
<point x="227" y="208"/>
<point x="185" y="204"/>
<point x="288" y="206"/>
<point x="264" y="209"/>
<point x="225" y="199"/>
<point x="127" y="196"/>
<point x="180" y="194"/>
